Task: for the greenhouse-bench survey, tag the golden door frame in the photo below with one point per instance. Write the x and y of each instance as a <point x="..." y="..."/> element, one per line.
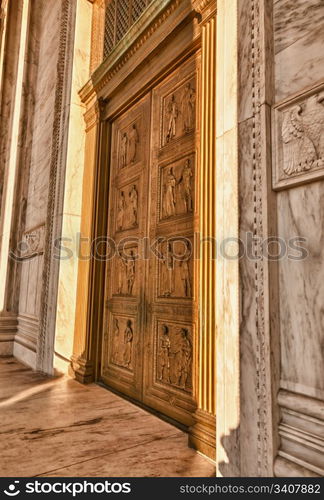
<point x="191" y="27"/>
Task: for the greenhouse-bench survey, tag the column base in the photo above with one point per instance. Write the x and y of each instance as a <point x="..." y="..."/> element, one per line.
<point x="202" y="435"/>
<point x="81" y="370"/>
<point x="8" y="330"/>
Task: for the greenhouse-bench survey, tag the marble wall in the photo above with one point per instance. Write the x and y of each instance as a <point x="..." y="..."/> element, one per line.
<point x="41" y="161"/>
<point x="281" y="77"/>
<point x="71" y="210"/>
<point x="299" y="71"/>
<point x="298" y="44"/>
<point x="43" y="35"/>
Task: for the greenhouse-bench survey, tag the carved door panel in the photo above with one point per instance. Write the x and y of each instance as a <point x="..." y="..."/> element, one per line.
<point x="171" y="324"/>
<point x="124" y="314"/>
<point x="150" y="324"/>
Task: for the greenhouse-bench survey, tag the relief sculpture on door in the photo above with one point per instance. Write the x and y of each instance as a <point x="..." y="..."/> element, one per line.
<point x="150" y="297"/>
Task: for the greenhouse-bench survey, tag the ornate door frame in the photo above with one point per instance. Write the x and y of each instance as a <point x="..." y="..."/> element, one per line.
<point x="190" y="28"/>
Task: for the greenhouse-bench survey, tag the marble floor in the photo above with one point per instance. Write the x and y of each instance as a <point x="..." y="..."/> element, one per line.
<point x="58" y="427"/>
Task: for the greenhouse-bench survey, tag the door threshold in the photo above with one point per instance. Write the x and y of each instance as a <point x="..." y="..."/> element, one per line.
<point x="150" y="410"/>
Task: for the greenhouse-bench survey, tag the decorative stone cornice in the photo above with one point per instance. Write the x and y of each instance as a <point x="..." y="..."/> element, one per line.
<point x="92" y="115"/>
<point x="139" y="34"/>
<point x="206" y="8"/>
<point x="95" y="113"/>
<point x="201" y="5"/>
<point x="125" y="50"/>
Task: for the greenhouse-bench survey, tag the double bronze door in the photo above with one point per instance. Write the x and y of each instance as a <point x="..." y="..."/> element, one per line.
<point x="149" y="336"/>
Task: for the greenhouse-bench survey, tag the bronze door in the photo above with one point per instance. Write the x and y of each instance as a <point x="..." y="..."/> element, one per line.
<point x="150" y="323"/>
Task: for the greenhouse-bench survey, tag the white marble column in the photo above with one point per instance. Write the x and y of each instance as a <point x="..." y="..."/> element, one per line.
<point x="8" y="320"/>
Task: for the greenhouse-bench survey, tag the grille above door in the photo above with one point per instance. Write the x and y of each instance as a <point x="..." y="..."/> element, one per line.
<point x="119" y="17"/>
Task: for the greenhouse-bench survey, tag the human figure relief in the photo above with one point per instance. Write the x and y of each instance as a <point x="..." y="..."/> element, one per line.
<point x="121" y="211"/>
<point x="128" y="343"/>
<point x="188" y="102"/>
<point x="169" y="203"/>
<point x="185" y="276"/>
<point x="133" y="141"/>
<point x="173" y="112"/>
<point x="183" y="356"/>
<point x="120" y="275"/>
<point x="186" y="186"/>
<point x="115" y="355"/>
<point x="130" y="272"/>
<point x="133" y="205"/>
<point x="168" y="261"/>
<point x="123" y="149"/>
<point x="164" y="355"/>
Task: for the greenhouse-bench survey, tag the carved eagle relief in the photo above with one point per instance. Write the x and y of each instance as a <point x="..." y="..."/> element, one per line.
<point x="303" y="136"/>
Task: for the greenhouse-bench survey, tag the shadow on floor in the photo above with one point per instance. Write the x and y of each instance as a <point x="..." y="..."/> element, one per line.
<point x="62" y="428"/>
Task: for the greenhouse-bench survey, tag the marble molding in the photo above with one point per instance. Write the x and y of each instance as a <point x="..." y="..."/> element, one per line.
<point x="8" y="330"/>
<point x="301" y="433"/>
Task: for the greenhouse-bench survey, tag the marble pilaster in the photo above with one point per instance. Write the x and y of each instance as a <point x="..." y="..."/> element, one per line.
<point x="71" y="216"/>
<point x="202" y="433"/>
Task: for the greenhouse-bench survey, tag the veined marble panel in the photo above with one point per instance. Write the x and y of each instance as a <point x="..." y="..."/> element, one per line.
<point x="24" y="285"/>
<point x="31" y="284"/>
<point x="248" y="372"/>
<point x="301" y="289"/>
<point x="66" y="301"/>
<point x="8" y="330"/>
<point x="44" y="94"/>
<point x="34" y="281"/>
<point x="71" y="217"/>
<point x="301" y="65"/>
<point x="293" y="19"/>
<point x="245" y="102"/>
